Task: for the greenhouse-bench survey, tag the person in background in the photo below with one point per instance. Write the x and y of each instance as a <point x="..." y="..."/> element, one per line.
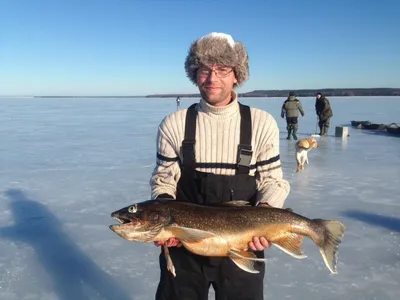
<point x="291" y="108"/>
<point x="216" y="150"/>
<point x="178" y="102"/>
<point x="324" y="113"/>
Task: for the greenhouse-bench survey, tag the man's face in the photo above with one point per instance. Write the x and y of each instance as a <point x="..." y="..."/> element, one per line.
<point x="318" y="96"/>
<point x="216" y="84"/>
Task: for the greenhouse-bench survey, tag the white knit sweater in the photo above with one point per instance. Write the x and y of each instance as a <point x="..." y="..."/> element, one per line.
<point x="217" y="138"/>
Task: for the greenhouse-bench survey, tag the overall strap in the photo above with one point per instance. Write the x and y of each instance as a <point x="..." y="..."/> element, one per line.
<point x="190" y="138"/>
<point x="244" y="149"/>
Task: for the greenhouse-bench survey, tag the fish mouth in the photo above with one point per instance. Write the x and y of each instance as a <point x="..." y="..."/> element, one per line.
<point x="124" y="221"/>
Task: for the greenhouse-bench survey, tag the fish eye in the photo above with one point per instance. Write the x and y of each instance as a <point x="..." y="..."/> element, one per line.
<point x="132" y="209"/>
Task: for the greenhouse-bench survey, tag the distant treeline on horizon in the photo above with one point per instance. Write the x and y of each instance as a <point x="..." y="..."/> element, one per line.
<point x="302" y="93"/>
<point x="269" y="93"/>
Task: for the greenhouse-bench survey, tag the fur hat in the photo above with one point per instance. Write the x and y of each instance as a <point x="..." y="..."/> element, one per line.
<point x="218" y="49"/>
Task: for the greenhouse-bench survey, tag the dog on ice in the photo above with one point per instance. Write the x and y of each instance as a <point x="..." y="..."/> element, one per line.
<point x="302" y="148"/>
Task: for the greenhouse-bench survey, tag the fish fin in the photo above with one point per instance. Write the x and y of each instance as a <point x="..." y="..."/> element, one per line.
<point x="291" y="244"/>
<point x="289" y="209"/>
<point x="189" y="235"/>
<point x="168" y="259"/>
<point x="232" y="203"/>
<point x="245" y="264"/>
<point x="333" y="233"/>
<point x="245" y="255"/>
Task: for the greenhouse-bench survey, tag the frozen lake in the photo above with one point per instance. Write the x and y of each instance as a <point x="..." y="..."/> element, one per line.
<point x="66" y="164"/>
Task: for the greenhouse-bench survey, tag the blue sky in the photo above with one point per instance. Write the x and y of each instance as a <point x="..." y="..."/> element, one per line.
<point x="138" y="47"/>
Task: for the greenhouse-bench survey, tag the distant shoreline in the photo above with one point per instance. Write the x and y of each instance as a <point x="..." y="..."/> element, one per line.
<point x="302" y="93"/>
<point x="258" y="93"/>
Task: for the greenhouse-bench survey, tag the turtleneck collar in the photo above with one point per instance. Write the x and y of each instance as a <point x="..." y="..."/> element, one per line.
<point x="220" y="111"/>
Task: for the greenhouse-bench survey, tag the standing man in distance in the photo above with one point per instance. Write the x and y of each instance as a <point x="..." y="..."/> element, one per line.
<point x="324" y="113"/>
<point x="291" y="107"/>
<point x="215" y="151"/>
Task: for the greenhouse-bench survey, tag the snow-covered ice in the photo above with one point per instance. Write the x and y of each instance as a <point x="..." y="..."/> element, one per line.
<point x="66" y="164"/>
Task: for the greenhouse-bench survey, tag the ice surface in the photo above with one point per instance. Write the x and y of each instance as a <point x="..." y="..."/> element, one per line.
<point x="66" y="164"/>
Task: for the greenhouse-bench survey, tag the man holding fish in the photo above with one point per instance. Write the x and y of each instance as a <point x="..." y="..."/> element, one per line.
<point x="218" y="189"/>
<point x="218" y="150"/>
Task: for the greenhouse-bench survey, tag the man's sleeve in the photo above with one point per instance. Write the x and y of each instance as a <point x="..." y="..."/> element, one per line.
<point x="166" y="173"/>
<point x="327" y="106"/>
<point x="283" y="111"/>
<point x="272" y="188"/>
<point x="300" y="107"/>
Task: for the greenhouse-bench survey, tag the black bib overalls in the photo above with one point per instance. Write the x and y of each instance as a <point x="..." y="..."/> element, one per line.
<point x="196" y="273"/>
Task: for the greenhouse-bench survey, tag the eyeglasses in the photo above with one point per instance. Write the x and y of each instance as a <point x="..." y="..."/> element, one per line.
<point x="220" y="72"/>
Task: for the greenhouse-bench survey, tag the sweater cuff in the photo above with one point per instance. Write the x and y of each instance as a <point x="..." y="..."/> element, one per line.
<point x="275" y="197"/>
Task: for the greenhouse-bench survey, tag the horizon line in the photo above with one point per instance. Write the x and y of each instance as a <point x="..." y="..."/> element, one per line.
<point x="179" y="94"/>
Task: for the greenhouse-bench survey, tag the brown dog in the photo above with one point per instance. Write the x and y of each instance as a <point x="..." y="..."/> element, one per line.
<point x="302" y="148"/>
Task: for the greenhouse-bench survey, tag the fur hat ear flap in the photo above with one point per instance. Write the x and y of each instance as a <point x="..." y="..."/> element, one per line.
<point x="304" y="144"/>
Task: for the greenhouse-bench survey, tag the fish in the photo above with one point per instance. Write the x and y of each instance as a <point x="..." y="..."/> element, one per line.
<point x="225" y="230"/>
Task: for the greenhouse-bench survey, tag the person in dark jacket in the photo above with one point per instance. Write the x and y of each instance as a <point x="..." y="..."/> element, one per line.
<point x="324" y="113"/>
<point x="291" y="107"/>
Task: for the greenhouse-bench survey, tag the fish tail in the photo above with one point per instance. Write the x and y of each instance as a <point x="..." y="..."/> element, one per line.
<point x="332" y="234"/>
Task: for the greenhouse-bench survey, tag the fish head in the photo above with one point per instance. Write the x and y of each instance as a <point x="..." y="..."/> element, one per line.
<point x="141" y="221"/>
